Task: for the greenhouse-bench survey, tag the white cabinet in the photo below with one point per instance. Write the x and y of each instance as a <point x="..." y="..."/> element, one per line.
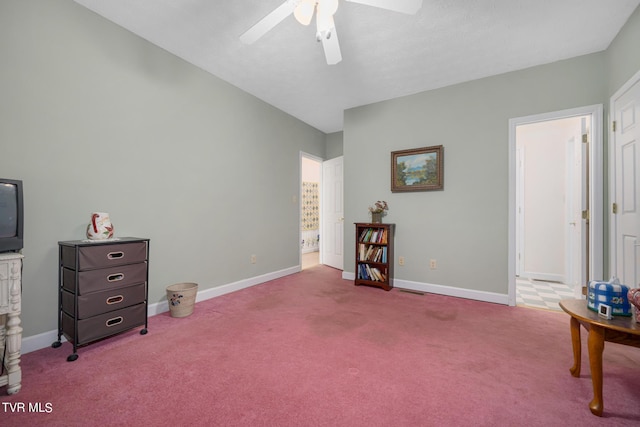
<point x="10" y="329"/>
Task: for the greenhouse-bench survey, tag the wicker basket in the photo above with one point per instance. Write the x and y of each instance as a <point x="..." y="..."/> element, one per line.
<point x="182" y="298"/>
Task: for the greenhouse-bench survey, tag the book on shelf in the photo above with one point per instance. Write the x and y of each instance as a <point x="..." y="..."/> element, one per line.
<point x="378" y="255"/>
<point x="376" y="274"/>
<point x="367" y="238"/>
<point x="366" y="272"/>
<point x="374" y="235"/>
<point x="372" y="253"/>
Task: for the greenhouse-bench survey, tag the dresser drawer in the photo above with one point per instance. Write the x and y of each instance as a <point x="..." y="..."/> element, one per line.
<point x="104" y="325"/>
<point x="104" y="279"/>
<point x="102" y="302"/>
<point x="103" y="255"/>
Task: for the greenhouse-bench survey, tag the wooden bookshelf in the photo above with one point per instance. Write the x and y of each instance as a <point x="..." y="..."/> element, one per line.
<point x="374" y="255"/>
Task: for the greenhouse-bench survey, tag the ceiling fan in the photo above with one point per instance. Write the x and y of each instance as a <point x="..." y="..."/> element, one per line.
<point x="303" y="10"/>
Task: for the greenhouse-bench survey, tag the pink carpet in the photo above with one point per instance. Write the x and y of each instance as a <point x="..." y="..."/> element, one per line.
<point x="313" y="350"/>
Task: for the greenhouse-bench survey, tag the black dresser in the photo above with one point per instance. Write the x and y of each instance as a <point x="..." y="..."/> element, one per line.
<point x="103" y="289"/>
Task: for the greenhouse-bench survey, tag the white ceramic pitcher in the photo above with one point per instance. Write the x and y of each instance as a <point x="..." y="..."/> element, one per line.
<point x="100" y="227"/>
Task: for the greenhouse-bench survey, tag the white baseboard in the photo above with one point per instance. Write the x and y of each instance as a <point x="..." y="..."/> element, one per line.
<point x="162" y="306"/>
<point x="37" y="342"/>
<point x="45" y="339"/>
<point x="547" y="277"/>
<point x="348" y="276"/>
<point x="444" y="290"/>
<point x="453" y="292"/>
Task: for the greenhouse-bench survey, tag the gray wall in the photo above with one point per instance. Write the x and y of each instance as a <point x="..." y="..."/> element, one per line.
<point x="334" y="147"/>
<point x="623" y="55"/>
<point x="463" y="227"/>
<point x="94" y="118"/>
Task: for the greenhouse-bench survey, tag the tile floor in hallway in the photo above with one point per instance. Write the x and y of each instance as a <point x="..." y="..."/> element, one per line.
<point x="540" y="294"/>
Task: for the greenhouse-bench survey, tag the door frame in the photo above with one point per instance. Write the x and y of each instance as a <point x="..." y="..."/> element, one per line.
<point x="595" y="165"/>
<point x="635" y="79"/>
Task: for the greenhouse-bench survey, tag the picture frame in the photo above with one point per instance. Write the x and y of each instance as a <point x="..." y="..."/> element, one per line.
<point x="417" y="169"/>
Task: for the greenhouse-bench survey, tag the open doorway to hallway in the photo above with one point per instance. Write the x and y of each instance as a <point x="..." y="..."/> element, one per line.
<point x="311" y="188"/>
<point x="555" y="186"/>
<point x="551" y="196"/>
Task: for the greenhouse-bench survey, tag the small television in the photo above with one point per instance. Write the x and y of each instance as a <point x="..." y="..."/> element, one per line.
<point x="11" y="215"/>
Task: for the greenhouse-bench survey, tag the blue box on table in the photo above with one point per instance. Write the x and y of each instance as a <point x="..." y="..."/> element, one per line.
<point x="611" y="293"/>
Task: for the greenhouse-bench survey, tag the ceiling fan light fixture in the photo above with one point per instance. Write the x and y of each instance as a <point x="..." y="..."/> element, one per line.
<point x="304" y="11"/>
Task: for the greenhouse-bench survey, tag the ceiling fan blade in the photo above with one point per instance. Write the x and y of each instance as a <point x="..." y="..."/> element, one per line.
<point x="410" y="7"/>
<point x="331" y="47"/>
<point x="268" y="22"/>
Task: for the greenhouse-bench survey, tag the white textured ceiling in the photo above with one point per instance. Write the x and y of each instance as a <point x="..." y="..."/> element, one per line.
<point x="385" y="54"/>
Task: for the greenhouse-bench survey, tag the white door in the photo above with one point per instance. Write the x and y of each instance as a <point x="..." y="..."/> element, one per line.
<point x="332" y="216"/>
<point x="577" y="190"/>
<point x="626" y="215"/>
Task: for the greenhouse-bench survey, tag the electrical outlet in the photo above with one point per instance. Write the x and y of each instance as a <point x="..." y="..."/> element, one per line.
<point x="400" y="260"/>
<point x="253" y="259"/>
<point x="433" y="264"/>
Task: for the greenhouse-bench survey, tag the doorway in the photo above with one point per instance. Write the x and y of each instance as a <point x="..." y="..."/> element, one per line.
<point x="555" y="205"/>
<point x="321" y="211"/>
<point x="310" y="212"/>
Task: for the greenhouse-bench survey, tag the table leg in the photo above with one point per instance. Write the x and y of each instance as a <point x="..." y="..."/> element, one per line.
<point x="596" y="347"/>
<point x="577" y="346"/>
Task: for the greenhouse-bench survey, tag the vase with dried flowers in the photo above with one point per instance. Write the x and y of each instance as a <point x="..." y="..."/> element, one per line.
<point x="378" y="210"/>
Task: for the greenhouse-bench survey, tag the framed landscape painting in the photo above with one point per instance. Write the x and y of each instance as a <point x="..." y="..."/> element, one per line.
<point x="417" y="169"/>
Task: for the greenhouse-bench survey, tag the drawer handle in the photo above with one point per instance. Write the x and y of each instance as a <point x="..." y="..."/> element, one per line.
<point x="115" y="277"/>
<point x="115" y="255"/>
<point x="115" y="299"/>
<point x="115" y="321"/>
